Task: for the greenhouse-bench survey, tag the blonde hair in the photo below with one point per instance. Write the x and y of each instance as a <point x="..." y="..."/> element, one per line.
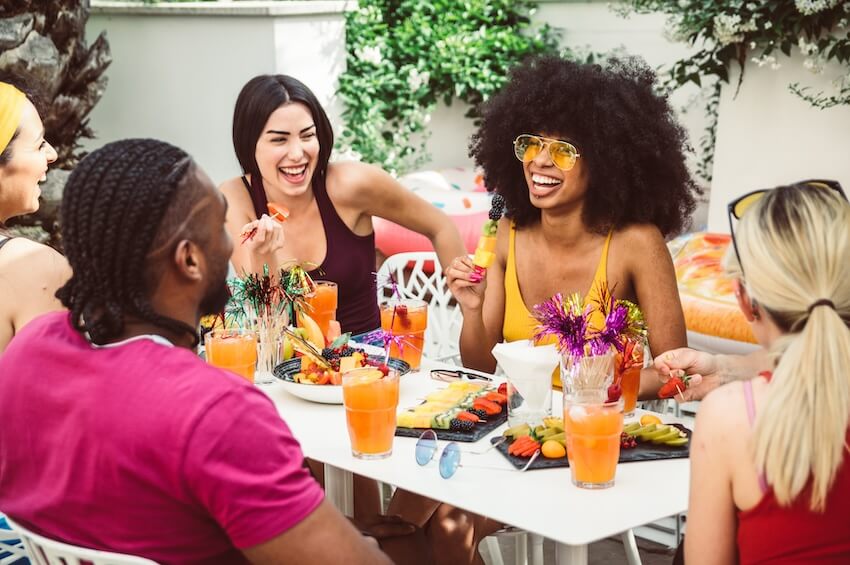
<point x="795" y="250"/>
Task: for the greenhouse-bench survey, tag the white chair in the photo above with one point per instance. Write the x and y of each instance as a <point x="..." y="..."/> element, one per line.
<point x="44" y="551"/>
<point x="11" y="546"/>
<point x="444" y="317"/>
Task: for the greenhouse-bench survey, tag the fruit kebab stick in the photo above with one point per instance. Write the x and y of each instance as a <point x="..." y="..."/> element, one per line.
<point x="278" y="212"/>
<point x="485" y="251"/>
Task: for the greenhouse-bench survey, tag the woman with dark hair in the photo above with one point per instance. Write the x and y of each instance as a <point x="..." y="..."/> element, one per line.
<point x="30" y="272"/>
<point x="283" y="141"/>
<point x="590" y="163"/>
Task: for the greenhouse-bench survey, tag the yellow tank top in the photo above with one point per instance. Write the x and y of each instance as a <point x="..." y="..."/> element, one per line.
<point x="519" y="323"/>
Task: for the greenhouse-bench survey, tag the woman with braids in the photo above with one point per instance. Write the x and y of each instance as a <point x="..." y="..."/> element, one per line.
<point x="30" y="272"/>
<point x="589" y="163"/>
<point x="770" y="466"/>
<point x="120" y="437"/>
<point x="283" y="141"/>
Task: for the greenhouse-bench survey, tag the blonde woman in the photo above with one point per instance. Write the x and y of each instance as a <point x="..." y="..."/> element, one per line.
<point x="30" y="272"/>
<point x="770" y="482"/>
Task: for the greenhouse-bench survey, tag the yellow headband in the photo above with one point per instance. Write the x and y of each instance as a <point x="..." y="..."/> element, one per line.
<point x="11" y="105"/>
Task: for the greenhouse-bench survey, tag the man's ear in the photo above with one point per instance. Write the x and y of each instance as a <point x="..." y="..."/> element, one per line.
<point x="745" y="303"/>
<point x="189" y="261"/>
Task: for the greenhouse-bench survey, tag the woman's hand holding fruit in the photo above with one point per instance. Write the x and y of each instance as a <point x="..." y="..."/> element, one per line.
<point x="461" y="280"/>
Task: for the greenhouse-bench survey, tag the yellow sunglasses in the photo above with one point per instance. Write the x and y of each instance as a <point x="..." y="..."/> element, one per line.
<point x="562" y="153"/>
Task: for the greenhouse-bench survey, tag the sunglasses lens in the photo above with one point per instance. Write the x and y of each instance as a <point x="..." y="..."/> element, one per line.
<point x="426" y="447"/>
<point x="744" y="204"/>
<point x="449" y="460"/>
<point x="527" y="147"/>
<point x="563" y="155"/>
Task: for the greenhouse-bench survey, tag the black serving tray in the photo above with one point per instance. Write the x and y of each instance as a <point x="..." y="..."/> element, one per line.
<point x="645" y="451"/>
<point x="480" y="430"/>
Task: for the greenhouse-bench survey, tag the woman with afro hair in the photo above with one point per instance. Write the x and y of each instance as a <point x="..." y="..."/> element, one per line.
<point x="589" y="162"/>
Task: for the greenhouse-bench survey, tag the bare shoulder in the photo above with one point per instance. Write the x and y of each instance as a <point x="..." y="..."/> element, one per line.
<point x="354" y="174"/>
<point x="29" y="266"/>
<point x="640" y="236"/>
<point x="723" y="411"/>
<point x="356" y="184"/>
<point x="235" y="191"/>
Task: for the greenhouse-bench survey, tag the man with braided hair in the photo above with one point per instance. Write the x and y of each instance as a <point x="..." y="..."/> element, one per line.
<point x="116" y="436"/>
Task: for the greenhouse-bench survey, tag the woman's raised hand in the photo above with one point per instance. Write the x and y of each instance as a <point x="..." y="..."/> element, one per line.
<point x="461" y="280"/>
<point x="263" y="237"/>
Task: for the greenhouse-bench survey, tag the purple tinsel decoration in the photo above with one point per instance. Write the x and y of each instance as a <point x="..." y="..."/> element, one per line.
<point x="566" y="320"/>
<point x="616" y="324"/>
<point x="388" y="282"/>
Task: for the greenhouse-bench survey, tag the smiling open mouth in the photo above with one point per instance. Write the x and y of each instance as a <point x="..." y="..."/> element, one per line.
<point x="294" y="174"/>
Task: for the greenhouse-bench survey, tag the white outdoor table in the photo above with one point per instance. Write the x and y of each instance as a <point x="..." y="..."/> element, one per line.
<point x="542" y="502"/>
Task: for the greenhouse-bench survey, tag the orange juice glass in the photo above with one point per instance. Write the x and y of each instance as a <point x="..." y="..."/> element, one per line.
<point x="370" y="400"/>
<point x="406" y="321"/>
<point x="322" y="304"/>
<point x="592" y="428"/>
<point x="234" y="350"/>
<point x="628" y="374"/>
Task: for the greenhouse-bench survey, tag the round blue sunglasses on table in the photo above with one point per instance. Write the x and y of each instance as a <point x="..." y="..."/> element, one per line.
<point x="426" y="448"/>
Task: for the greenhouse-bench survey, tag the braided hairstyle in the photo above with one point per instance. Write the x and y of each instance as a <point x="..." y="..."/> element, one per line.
<point x="119" y="202"/>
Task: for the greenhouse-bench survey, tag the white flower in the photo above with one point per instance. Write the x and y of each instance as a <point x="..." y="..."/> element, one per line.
<point x="415" y="80"/>
<point x="775" y="66"/>
<point x="807" y="48"/>
<point x="768" y="24"/>
<point x="809" y="7"/>
<point x="752" y="6"/>
<point x="814" y="65"/>
<point x="753" y="44"/>
<point x="370" y="54"/>
<point x="727" y="29"/>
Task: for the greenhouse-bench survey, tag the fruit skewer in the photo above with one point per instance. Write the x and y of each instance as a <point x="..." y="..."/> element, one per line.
<point x="485" y="251"/>
<point x="279" y="213"/>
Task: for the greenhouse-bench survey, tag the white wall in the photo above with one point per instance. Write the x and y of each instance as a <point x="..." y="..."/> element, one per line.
<point x="768" y="136"/>
<point x="177" y="69"/>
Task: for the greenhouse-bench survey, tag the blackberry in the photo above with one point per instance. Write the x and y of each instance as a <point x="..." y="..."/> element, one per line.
<point x="495" y="214"/>
<point x="327" y="353"/>
<point x="478" y="412"/>
<point x="461" y="425"/>
<point x="498" y="201"/>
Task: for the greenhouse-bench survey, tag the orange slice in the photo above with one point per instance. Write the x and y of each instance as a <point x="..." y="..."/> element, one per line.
<point x="648" y="419"/>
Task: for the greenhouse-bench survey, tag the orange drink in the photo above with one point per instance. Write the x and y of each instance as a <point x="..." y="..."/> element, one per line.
<point x="592" y="428"/>
<point x="234" y="350"/>
<point x="322" y="304"/>
<point x="371" y="400"/>
<point x="406" y="321"/>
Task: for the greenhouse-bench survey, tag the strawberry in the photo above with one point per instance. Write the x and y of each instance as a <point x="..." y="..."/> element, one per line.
<point x="503" y="389"/>
<point x="384" y="369"/>
<point x="672" y="387"/>
<point x="614" y="392"/>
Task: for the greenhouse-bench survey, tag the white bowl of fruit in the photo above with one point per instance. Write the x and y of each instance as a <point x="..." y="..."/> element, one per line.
<point x="318" y="378"/>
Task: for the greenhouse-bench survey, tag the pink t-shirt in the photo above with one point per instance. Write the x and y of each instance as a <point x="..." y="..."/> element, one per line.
<point x="143" y="449"/>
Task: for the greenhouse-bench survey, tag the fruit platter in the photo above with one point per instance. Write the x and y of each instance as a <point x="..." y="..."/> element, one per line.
<point x="317" y="375"/>
<point x="644" y="440"/>
<point x="463" y="411"/>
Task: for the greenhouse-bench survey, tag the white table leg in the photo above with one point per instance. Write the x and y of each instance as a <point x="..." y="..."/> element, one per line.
<point x="570" y="554"/>
<point x="536" y="542"/>
<point x="630" y="547"/>
<point x="339" y="489"/>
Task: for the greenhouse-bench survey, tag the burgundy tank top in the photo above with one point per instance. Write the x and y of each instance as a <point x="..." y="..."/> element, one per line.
<point x="349" y="261"/>
<point x="770" y="533"/>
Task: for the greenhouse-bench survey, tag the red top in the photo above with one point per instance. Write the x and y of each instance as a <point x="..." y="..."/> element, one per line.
<point x="769" y="533"/>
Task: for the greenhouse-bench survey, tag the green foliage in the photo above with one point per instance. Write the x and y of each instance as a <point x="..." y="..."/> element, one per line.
<point x="732" y="30"/>
<point x="406" y="55"/>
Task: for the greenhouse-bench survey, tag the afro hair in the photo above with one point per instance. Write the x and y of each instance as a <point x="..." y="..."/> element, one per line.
<point x="626" y="132"/>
